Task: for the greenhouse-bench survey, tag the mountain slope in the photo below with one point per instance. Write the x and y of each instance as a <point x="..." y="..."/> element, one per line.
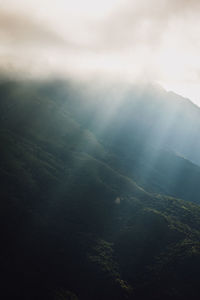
<point x="75" y="223"/>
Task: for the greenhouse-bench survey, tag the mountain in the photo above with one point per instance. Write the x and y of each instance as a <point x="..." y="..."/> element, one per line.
<point x="96" y="202"/>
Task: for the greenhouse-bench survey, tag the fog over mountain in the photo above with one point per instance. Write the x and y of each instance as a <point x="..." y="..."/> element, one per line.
<point x="99" y="156"/>
<point x="144" y="40"/>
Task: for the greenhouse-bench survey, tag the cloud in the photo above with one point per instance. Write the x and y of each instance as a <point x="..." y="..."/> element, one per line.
<point x="31" y="46"/>
<point x="17" y="28"/>
<point x="151" y="39"/>
<point x="143" y="22"/>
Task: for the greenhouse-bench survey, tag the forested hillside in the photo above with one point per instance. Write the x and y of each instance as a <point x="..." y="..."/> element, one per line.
<point x="95" y="202"/>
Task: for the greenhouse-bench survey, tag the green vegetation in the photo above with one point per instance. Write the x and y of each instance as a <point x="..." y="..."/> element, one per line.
<point x="64" y="234"/>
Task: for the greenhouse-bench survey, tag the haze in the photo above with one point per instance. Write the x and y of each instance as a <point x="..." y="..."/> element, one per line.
<point x="144" y="40"/>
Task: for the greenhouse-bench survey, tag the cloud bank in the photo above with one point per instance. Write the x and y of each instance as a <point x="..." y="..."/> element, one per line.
<point x="155" y="40"/>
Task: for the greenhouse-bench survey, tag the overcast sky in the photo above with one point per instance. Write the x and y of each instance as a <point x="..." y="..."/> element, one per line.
<point x="145" y="40"/>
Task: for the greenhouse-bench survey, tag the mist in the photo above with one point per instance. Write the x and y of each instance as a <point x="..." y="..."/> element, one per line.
<point x="123" y="40"/>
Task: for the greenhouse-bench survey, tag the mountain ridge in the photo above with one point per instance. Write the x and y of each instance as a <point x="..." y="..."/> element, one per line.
<point x="76" y="223"/>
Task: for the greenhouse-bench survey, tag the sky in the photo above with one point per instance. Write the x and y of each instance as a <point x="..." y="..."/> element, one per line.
<point x="127" y="40"/>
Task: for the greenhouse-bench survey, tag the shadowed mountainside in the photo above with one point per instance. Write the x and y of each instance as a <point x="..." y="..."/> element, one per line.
<point x="85" y="205"/>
